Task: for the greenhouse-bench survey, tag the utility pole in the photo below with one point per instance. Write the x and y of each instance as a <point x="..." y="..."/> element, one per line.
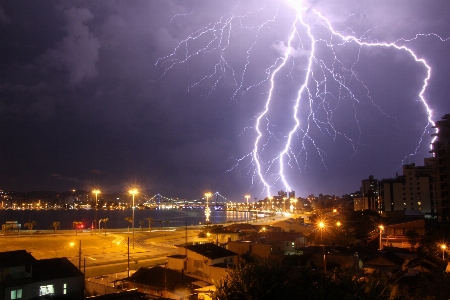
<point x="128" y="268"/>
<point x="79" y="257"/>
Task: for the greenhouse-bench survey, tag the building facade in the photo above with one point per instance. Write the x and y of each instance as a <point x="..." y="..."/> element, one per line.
<point x="441" y="184"/>
<point x="24" y="277"/>
<point x="369" y="189"/>
<point x="409" y="191"/>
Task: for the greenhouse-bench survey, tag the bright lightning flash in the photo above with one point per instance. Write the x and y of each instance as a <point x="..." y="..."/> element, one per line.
<point x="309" y="57"/>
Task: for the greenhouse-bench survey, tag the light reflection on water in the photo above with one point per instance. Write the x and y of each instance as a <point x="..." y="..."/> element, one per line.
<point x="116" y="218"/>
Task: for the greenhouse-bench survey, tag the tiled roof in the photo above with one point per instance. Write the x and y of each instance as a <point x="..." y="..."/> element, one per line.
<point x="53" y="268"/>
<point x="160" y="277"/>
<point x="178" y="256"/>
<point x="241" y="226"/>
<point x="387" y="260"/>
<point x="15" y="258"/>
<point x="210" y="250"/>
<point x="428" y="261"/>
<point x="274" y="237"/>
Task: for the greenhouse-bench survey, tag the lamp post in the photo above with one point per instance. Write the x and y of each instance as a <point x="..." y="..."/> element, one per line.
<point x="246" y="197"/>
<point x="96" y="192"/>
<point x="207" y="210"/>
<point x="321" y="227"/>
<point x="443" y="247"/>
<point x="381" y="231"/>
<point x="133" y="192"/>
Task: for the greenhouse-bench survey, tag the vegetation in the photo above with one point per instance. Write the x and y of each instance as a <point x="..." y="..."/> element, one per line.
<point x="150" y="222"/>
<point x="104" y="221"/>
<point x="272" y="279"/>
<point x="30" y="225"/>
<point x="167" y="223"/>
<point x="129" y="220"/>
<point x="413" y="238"/>
<point x="55" y="225"/>
<point x="76" y="225"/>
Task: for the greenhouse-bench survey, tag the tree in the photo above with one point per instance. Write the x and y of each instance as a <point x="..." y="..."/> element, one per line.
<point x="129" y="220"/>
<point x="141" y="224"/>
<point x="150" y="221"/>
<point x="76" y="225"/>
<point x="361" y="223"/>
<point x="271" y="279"/>
<point x="167" y="223"/>
<point x="55" y="225"/>
<point x="30" y="225"/>
<point x="104" y="221"/>
<point x="160" y="223"/>
<point x="216" y="229"/>
<point x="413" y="238"/>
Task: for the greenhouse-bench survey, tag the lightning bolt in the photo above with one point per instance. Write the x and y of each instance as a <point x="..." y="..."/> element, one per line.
<point x="314" y="76"/>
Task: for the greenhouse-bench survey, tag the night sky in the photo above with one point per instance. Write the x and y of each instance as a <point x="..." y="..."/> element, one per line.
<point x="166" y="95"/>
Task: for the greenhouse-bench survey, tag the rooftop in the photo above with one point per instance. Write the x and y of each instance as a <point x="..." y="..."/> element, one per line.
<point x="210" y="250"/>
<point x="15" y="258"/>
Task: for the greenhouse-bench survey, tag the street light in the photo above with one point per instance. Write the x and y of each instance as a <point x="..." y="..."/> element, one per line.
<point x="96" y="192"/>
<point x="443" y="247"/>
<point x="207" y="210"/>
<point x="246" y="197"/>
<point x="321" y="227"/>
<point x="133" y="192"/>
<point x="381" y="231"/>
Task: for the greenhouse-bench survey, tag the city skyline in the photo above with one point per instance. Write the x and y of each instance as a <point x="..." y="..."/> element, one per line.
<point x="107" y="95"/>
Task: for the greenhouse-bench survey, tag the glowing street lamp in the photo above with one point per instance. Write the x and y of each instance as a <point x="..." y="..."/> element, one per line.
<point x="246" y="197"/>
<point x="321" y="227"/>
<point x="133" y="192"/>
<point x="443" y="247"/>
<point x="381" y="231"/>
<point x="96" y="192"/>
<point x="207" y="210"/>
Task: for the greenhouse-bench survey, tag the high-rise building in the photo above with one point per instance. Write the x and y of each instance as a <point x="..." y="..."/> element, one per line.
<point x="369" y="189"/>
<point x="292" y="194"/>
<point x="391" y="191"/>
<point x="441" y="185"/>
<point x="410" y="191"/>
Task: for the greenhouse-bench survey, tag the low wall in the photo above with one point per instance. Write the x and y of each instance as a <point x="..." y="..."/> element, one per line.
<point x="94" y="289"/>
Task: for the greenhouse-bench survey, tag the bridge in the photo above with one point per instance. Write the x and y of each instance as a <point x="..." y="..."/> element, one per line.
<point x="216" y="201"/>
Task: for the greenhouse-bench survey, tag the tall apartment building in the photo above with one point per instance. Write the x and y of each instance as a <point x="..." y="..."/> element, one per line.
<point x="292" y="194"/>
<point x="441" y="184"/>
<point x="410" y="191"/>
<point x="369" y="189"/>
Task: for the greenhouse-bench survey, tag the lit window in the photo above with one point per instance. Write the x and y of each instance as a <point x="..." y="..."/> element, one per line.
<point x="65" y="289"/>
<point x="46" y="290"/>
<point x="16" y="294"/>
